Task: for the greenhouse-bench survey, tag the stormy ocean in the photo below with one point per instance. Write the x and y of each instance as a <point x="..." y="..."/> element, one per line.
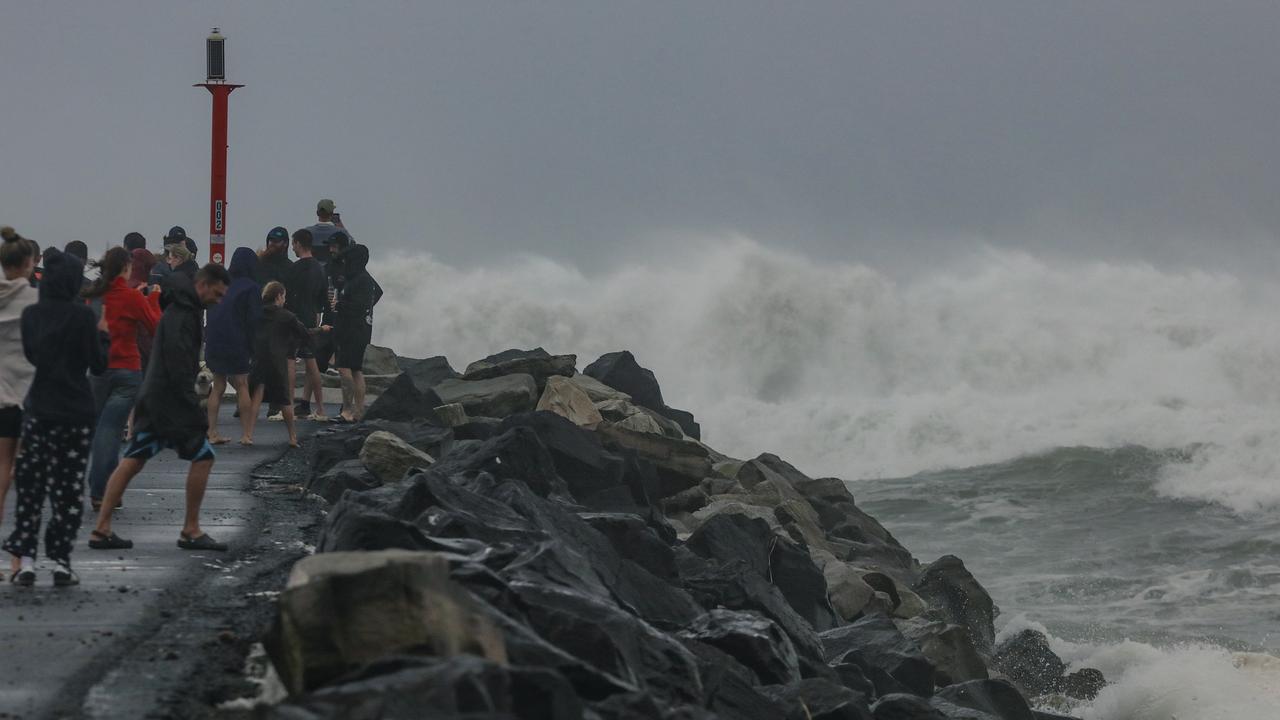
<point x="1100" y="442"/>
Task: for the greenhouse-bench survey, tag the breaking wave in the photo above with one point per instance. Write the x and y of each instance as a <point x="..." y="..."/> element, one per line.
<point x="850" y="372"/>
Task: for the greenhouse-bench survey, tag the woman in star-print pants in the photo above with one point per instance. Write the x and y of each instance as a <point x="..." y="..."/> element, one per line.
<point x="50" y="464"/>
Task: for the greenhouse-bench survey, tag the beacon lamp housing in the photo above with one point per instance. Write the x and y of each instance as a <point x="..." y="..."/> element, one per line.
<point x="216" y="56"/>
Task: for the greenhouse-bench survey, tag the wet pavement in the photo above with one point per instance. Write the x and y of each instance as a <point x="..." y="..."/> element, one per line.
<point x="56" y="643"/>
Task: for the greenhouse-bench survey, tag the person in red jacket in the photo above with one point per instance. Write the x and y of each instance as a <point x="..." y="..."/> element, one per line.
<point x="128" y="313"/>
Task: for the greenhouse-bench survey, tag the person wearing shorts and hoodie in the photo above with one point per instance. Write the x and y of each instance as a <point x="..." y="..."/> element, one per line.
<point x="229" y="342"/>
<point x="63" y="339"/>
<point x="129" y="313"/>
<point x="353" y="327"/>
<point x="167" y="414"/>
<point x="278" y="338"/>
<point x="17" y="257"/>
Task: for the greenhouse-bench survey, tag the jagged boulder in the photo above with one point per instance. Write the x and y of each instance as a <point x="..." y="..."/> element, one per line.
<point x="389" y="458"/>
<point x="570" y="402"/>
<point x="497" y="397"/>
<point x="875" y="642"/>
<point x="343" y="610"/>
<point x="403" y="401"/>
<point x="753" y="640"/>
<point x="901" y="706"/>
<point x="681" y="464"/>
<point x="379" y="360"/>
<point x="596" y="390"/>
<point x="997" y="698"/>
<point x="819" y="699"/>
<point x="443" y="689"/>
<point x="620" y="370"/>
<point x="452" y="415"/>
<point x="730" y="689"/>
<point x="344" y="442"/>
<point x="729" y="537"/>
<point x="429" y="372"/>
<point x="948" y="647"/>
<point x="537" y="363"/>
<point x="346" y="475"/>
<point x="959" y="599"/>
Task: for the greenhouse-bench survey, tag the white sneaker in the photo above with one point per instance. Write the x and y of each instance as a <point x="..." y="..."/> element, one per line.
<point x="278" y="417"/>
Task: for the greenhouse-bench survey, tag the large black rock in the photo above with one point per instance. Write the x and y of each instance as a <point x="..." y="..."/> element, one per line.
<point x="730" y="689"/>
<point x="901" y="706"/>
<point x="1026" y="659"/>
<point x="998" y="698"/>
<point x="958" y="598"/>
<point x="732" y="536"/>
<point x="344" y="476"/>
<point x="736" y="586"/>
<point x="459" y="688"/>
<point x="637" y="542"/>
<point x="620" y="371"/>
<point x="537" y="362"/>
<point x="343" y="442"/>
<point x="875" y="641"/>
<point x="751" y="639"/>
<point x="404" y="401"/>
<point x="819" y="699"/>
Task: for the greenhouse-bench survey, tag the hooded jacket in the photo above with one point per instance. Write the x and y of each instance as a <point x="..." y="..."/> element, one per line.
<point x="167" y="403"/>
<point x="359" y="293"/>
<point x="232" y="322"/>
<point x="61" y="338"/>
<point x="273" y="266"/>
<point x="16" y="371"/>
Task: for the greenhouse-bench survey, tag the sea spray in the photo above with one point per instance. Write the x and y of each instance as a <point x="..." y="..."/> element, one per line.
<point x="857" y="374"/>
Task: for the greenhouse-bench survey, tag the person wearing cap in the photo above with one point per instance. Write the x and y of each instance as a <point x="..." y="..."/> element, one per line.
<point x="273" y="259"/>
<point x="329" y="222"/>
<point x="175" y="236"/>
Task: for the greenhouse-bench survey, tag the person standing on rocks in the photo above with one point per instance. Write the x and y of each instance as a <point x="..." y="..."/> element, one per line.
<point x="167" y="414"/>
<point x="353" y="327"/>
<point x="306" y="298"/>
<point x="278" y="338"/>
<point x="328" y="223"/>
<point x="128" y="313"/>
<point x="61" y="337"/>
<point x="17" y="258"/>
<point x="229" y="343"/>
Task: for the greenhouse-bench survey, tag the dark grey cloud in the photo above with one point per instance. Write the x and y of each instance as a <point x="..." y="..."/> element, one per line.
<point x="896" y="132"/>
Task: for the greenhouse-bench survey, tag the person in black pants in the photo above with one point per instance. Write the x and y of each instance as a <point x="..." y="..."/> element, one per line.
<point x="63" y="340"/>
<point x="353" y="327"/>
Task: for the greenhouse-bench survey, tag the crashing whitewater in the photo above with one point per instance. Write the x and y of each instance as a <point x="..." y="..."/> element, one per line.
<point x="853" y="373"/>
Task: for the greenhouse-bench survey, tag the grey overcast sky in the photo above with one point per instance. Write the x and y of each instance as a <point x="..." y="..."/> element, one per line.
<point x="891" y="132"/>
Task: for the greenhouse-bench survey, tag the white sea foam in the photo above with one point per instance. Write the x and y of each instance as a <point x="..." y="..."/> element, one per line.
<point x="849" y="372"/>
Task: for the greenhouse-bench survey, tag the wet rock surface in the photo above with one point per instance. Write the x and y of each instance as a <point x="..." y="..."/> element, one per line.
<point x="626" y="570"/>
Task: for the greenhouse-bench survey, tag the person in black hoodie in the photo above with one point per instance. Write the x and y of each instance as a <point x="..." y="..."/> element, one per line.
<point x="63" y="340"/>
<point x="353" y="327"/>
<point x="167" y="413"/>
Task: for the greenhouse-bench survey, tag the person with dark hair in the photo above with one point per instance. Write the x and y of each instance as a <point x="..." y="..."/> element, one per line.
<point x="229" y="342"/>
<point x="307" y="298"/>
<point x="129" y="313"/>
<point x="279" y="336"/>
<point x="353" y="329"/>
<point x="61" y="337"/>
<point x="140" y="279"/>
<point x="167" y="413"/>
<point x="328" y="223"/>
<point x="17" y="257"/>
<point x="135" y="241"/>
<point x="175" y="236"/>
<point x="77" y="250"/>
<point x="335" y="245"/>
<point x="273" y="259"/>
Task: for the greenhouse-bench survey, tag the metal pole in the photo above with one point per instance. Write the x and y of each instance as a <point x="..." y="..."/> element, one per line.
<point x="218" y="172"/>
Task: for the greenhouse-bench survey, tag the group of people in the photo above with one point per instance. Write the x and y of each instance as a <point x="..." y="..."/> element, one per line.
<point x="99" y="375"/>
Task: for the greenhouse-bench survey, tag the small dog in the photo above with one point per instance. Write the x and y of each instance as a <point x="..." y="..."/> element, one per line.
<point x="204" y="385"/>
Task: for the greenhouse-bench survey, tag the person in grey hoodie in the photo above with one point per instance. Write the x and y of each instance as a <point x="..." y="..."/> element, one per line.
<point x="17" y="259"/>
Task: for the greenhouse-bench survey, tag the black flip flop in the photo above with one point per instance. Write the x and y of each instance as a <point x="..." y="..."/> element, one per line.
<point x="204" y="542"/>
<point x="98" y="541"/>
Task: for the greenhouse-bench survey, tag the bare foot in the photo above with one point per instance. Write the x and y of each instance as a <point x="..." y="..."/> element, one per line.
<point x="246" y="441"/>
<point x="216" y="439"/>
<point x="293" y="443"/>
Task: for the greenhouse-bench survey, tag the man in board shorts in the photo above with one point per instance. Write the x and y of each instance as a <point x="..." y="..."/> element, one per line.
<point x="168" y="414"/>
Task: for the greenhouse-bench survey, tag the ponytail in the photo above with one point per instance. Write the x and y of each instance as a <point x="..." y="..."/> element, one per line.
<point x="113" y="264"/>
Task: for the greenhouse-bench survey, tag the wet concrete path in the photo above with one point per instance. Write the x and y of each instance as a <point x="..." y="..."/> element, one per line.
<point x="56" y="642"/>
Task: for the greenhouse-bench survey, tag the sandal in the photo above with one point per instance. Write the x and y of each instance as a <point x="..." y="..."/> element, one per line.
<point x="204" y="542"/>
<point x="98" y="541"/>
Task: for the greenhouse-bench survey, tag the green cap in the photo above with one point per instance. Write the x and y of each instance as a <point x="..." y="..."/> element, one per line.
<point x="325" y="206"/>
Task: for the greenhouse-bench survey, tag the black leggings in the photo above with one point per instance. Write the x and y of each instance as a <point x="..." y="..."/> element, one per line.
<point x="50" y="462"/>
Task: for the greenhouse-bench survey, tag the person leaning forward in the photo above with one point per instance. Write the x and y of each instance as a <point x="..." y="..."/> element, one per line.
<point x="168" y="414"/>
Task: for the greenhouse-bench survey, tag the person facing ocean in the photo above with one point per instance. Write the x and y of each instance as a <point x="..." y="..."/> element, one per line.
<point x="328" y="223"/>
<point x="17" y="259"/>
<point x="229" y="342"/>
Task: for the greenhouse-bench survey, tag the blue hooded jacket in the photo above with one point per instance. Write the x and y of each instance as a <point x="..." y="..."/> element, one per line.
<point x="231" y="323"/>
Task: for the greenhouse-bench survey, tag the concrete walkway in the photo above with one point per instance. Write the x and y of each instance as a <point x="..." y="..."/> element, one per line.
<point x="55" y="642"/>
